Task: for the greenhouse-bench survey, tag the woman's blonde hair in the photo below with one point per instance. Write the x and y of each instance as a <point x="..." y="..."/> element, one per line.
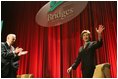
<point x="85" y="31"/>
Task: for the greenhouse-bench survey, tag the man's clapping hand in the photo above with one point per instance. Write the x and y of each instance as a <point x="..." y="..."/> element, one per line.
<point x="17" y="50"/>
<point x="22" y="53"/>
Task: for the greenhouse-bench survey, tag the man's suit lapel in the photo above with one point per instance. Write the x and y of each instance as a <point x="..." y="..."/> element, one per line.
<point x="7" y="47"/>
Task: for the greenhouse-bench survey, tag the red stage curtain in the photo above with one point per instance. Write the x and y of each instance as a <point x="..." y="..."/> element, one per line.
<point x="52" y="50"/>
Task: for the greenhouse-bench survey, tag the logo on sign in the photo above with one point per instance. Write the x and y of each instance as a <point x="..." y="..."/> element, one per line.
<point x="58" y="12"/>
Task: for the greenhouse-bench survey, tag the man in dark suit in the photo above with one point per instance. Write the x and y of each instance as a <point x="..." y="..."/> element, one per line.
<point x="10" y="57"/>
<point x="87" y="52"/>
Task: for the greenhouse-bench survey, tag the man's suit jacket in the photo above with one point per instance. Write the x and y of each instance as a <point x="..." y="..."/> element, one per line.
<point x="8" y="59"/>
<point x="86" y="56"/>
